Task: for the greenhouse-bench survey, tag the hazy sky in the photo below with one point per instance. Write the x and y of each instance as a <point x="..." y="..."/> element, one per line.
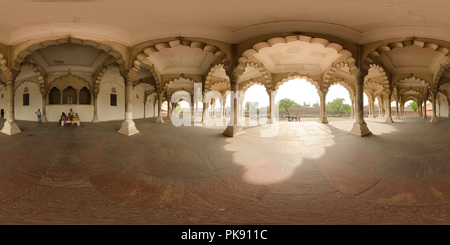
<point x="298" y="90"/>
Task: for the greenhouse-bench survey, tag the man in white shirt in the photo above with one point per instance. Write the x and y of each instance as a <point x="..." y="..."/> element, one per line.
<point x="38" y="113"/>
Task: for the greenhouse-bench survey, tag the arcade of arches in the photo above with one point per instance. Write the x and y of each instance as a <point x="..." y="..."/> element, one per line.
<point x="105" y="81"/>
<point x="124" y="66"/>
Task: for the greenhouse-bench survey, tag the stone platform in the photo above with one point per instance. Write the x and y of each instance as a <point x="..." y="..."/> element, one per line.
<point x="309" y="173"/>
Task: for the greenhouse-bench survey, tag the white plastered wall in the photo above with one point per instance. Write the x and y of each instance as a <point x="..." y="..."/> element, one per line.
<point x="27" y="113"/>
<point x="149" y="106"/>
<point x="442" y="109"/>
<point x="3" y="100"/>
<point x="105" y="111"/>
<point x="85" y="112"/>
<point x="137" y="102"/>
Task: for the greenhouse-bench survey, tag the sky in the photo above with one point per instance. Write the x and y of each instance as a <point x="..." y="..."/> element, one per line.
<point x="298" y="90"/>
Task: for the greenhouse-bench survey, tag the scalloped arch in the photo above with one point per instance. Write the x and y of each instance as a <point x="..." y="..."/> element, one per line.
<point x="38" y="74"/>
<point x="73" y="78"/>
<point x="381" y="71"/>
<point x="175" y="80"/>
<point x="100" y="76"/>
<point x="211" y="73"/>
<point x="292" y="38"/>
<point x="418" y="79"/>
<point x="3" y="63"/>
<point x="213" y="95"/>
<point x="350" y="90"/>
<point x="142" y="56"/>
<point x="351" y="66"/>
<point x="413" y="98"/>
<point x="445" y="93"/>
<point x="36" y="46"/>
<point x="292" y="77"/>
<point x="386" y="48"/>
<point x="262" y="71"/>
<point x="182" y="94"/>
<point x="245" y="86"/>
<point x="437" y="80"/>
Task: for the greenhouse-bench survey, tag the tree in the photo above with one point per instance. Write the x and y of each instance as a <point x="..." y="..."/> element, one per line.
<point x="177" y="109"/>
<point x="306" y="104"/>
<point x="336" y="106"/>
<point x="413" y="106"/>
<point x="347" y="108"/>
<point x="316" y="105"/>
<point x="286" y="103"/>
<point x="251" y="107"/>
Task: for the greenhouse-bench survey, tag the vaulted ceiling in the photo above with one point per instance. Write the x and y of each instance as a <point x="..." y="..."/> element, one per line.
<point x="134" y="21"/>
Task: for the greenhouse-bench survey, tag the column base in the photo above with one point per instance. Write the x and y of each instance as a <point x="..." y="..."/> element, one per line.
<point x="128" y="128"/>
<point x="389" y="120"/>
<point x="324" y="120"/>
<point x="159" y="120"/>
<point x="360" y="129"/>
<point x="10" y="128"/>
<point x="44" y="119"/>
<point x="434" y="119"/>
<point x="95" y="120"/>
<point x="232" y="131"/>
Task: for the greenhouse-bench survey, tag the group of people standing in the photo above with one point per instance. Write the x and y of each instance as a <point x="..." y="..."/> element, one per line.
<point x="71" y="116"/>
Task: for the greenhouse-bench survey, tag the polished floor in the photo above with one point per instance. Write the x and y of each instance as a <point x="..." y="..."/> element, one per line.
<point x="307" y="174"/>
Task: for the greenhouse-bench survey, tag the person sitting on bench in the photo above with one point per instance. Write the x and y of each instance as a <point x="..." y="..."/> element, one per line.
<point x="62" y="120"/>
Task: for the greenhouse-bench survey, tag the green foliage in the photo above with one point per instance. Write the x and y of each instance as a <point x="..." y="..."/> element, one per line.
<point x="286" y="103"/>
<point x="413" y="106"/>
<point x="178" y="109"/>
<point x="336" y="106"/>
<point x="347" y="108"/>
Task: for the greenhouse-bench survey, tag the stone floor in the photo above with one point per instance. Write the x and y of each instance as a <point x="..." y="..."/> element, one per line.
<point x="308" y="174"/>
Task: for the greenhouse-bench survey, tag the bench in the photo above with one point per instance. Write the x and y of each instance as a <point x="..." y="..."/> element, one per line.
<point x="70" y="122"/>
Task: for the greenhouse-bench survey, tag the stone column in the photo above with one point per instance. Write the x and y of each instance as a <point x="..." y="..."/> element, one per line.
<point x="233" y="129"/>
<point x="323" y="112"/>
<point x="44" y="105"/>
<point x="373" y="108"/>
<point x="10" y="127"/>
<point x="424" y="110"/>
<point x="448" y="108"/>
<point x="360" y="127"/>
<point x="145" y="104"/>
<point x="95" y="120"/>
<point x="271" y="107"/>
<point x="192" y="109"/>
<point x="388" y="109"/>
<point x="398" y="114"/>
<point x="213" y="107"/>
<point x="169" y="107"/>
<point x="204" y="110"/>
<point x="353" y="109"/>
<point x="419" y="110"/>
<point x="128" y="126"/>
<point x="159" y="119"/>
<point x="402" y="108"/>
<point x="433" y="117"/>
